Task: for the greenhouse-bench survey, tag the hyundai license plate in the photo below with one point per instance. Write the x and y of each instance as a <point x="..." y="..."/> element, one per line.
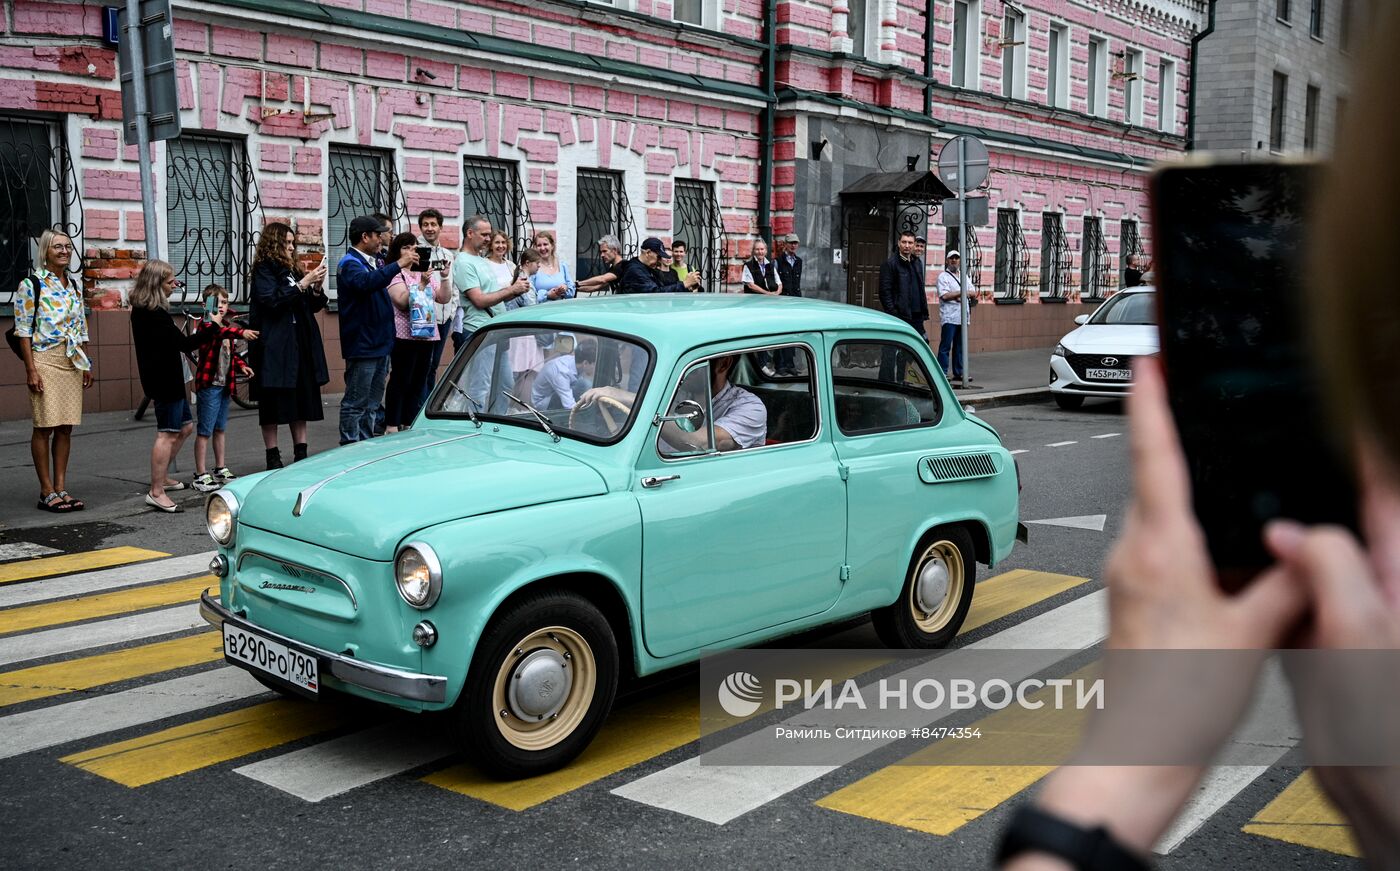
<point x="1109" y="374"/>
<point x="272" y="658"/>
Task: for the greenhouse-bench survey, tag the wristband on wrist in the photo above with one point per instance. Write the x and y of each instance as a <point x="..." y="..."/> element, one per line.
<point x="1035" y="830"/>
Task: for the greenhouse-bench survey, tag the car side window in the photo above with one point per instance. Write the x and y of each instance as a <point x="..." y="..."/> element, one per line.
<point x="784" y="379"/>
<point x="881" y="386"/>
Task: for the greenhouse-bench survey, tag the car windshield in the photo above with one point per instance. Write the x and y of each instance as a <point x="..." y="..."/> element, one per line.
<point x="525" y="373"/>
<point x="1128" y="308"/>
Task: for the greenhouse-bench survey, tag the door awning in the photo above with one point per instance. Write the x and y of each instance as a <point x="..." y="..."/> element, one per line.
<point x="916" y="185"/>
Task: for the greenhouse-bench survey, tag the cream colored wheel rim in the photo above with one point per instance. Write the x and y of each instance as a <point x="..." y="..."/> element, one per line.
<point x="541" y="724"/>
<point x="936" y="587"/>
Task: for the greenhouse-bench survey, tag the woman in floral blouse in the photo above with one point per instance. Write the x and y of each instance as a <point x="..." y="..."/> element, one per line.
<point x="52" y="328"/>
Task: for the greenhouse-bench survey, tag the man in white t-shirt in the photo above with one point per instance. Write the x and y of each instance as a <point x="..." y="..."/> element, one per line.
<point x="952" y="284"/>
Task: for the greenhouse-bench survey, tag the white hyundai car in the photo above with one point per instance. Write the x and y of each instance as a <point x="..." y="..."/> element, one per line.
<point x="1096" y="358"/>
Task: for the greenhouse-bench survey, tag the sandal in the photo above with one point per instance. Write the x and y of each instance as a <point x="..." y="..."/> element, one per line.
<point x="73" y="504"/>
<point x="54" y="503"/>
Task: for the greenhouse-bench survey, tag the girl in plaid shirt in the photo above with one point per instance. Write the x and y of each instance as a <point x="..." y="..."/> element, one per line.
<point x="213" y="384"/>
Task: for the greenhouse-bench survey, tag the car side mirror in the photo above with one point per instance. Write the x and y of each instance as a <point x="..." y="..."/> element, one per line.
<point x="1081" y="320"/>
<point x="689" y="416"/>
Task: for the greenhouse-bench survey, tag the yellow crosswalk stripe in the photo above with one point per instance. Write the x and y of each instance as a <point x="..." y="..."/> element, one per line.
<point x="649" y="728"/>
<point x="1012" y="591"/>
<point x="935" y="792"/>
<point x="74" y="562"/>
<point x="104" y="604"/>
<point x="1302" y="814"/>
<point x="43" y="681"/>
<point x="182" y="749"/>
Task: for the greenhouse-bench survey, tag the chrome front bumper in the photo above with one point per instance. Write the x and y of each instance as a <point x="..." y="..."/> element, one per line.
<point x="376" y="678"/>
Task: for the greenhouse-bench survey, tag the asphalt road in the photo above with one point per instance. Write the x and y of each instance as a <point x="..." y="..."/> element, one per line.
<point x="96" y="770"/>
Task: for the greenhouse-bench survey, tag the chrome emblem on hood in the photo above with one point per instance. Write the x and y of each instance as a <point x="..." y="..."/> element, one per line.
<point x="1110" y="362"/>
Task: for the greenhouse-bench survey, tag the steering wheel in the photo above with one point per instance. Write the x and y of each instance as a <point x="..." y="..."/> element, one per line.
<point x="603" y="403"/>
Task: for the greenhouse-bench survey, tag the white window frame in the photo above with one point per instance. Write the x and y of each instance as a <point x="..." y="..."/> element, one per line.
<point x="1166" y="96"/>
<point x="709" y="14"/>
<point x="1096" y="75"/>
<point x="869" y="46"/>
<point x="1014" y="56"/>
<point x="1057" y="79"/>
<point x="970" y="42"/>
<point x="1133" y="79"/>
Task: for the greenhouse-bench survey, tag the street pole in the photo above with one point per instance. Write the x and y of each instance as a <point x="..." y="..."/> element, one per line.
<point x="135" y="33"/>
<point x="966" y="260"/>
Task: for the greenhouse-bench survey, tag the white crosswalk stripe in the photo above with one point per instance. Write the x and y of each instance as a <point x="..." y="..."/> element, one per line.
<point x="24" y="550"/>
<point x="107" y="579"/>
<point x="721" y="793"/>
<point x="71" y="721"/>
<point x="340" y="765"/>
<point x="118" y="630"/>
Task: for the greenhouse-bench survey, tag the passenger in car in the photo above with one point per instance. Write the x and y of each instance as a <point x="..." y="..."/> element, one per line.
<point x="740" y="418"/>
<point x="561" y="376"/>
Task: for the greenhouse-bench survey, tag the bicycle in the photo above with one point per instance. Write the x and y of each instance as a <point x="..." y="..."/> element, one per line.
<point x="241" y="389"/>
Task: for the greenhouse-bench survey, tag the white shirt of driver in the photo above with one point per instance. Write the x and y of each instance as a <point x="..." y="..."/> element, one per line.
<point x="741" y="414"/>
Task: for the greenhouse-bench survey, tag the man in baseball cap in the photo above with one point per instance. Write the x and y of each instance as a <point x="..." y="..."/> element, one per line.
<point x="952" y="284"/>
<point x="642" y="274"/>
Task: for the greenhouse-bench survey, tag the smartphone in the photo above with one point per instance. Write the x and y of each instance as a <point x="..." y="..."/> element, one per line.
<point x="1230" y="256"/>
<point x="425" y="257"/>
<point x="211" y="305"/>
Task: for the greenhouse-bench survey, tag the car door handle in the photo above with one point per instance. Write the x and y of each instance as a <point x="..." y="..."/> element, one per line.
<point x="652" y="481"/>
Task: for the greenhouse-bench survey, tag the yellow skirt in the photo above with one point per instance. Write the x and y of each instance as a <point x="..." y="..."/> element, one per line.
<point x="61" y="403"/>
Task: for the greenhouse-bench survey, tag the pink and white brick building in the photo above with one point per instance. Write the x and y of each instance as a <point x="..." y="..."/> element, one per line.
<point x="639" y="117"/>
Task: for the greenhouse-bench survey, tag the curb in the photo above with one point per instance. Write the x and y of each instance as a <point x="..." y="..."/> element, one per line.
<point x="996" y="399"/>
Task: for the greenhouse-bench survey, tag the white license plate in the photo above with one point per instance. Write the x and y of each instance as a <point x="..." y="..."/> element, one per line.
<point x="1109" y="374"/>
<point x="272" y="658"/>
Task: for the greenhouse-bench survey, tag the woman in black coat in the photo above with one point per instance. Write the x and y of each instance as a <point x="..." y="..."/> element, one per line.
<point x="289" y="360"/>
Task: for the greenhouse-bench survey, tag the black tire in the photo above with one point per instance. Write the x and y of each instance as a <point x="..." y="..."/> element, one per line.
<point x="905" y="624"/>
<point x="1068" y="401"/>
<point x="559" y="632"/>
<point x="242" y="393"/>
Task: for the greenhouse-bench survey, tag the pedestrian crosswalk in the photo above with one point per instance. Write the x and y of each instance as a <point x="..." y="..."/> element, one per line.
<point x="106" y="666"/>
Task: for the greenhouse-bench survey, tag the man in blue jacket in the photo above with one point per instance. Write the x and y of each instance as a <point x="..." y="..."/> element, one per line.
<point x="366" y="324"/>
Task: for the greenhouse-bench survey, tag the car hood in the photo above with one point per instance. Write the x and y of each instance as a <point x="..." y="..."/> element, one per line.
<point x="1128" y="340"/>
<point x="363" y="499"/>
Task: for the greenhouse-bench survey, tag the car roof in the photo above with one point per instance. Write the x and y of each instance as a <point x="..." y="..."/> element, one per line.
<point x="684" y="320"/>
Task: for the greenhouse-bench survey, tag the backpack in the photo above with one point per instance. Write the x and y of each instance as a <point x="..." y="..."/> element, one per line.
<point x="10" y="338"/>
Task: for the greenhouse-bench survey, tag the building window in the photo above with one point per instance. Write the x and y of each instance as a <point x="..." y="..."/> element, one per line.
<point x="602" y="210"/>
<point x="1098" y="76"/>
<point x="1310" y="118"/>
<point x="492" y="188"/>
<point x="966" y="16"/>
<point x="689" y="11"/>
<point x="1013" y="54"/>
<point x="38" y="191"/>
<point x="1283" y="10"/>
<point x="1055" y="257"/>
<point x="1132" y="86"/>
<point x="1013" y="260"/>
<point x="1096" y="264"/>
<point x="360" y="182"/>
<point x="856" y="26"/>
<point x="1057" y="81"/>
<point x="1277" y="108"/>
<point x="1315" y="13"/>
<point x="210" y="215"/>
<point x="1129" y="246"/>
<point x="1344" y="34"/>
<point x="1166" y="97"/>
<point x="696" y="222"/>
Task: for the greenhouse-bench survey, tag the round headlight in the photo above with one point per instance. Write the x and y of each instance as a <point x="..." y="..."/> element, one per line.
<point x="418" y="575"/>
<point x="221" y="517"/>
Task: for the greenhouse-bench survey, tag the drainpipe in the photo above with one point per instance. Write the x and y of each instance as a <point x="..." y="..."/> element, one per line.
<point x="1191" y="86"/>
<point x="928" y="59"/>
<point x="766" y="125"/>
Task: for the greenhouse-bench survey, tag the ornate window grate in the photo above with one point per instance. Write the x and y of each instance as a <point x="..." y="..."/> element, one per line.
<point x="1096" y="264"/>
<point x="212" y="214"/>
<point x="1055" y="257"/>
<point x="361" y="182"/>
<point x="492" y="188"/>
<point x="1013" y="260"/>
<point x="603" y="210"/>
<point x="697" y="223"/>
<point x="38" y="190"/>
<point x="1129" y="245"/>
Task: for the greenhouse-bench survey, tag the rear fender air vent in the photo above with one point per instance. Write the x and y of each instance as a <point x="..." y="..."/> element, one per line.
<point x="958" y="467"/>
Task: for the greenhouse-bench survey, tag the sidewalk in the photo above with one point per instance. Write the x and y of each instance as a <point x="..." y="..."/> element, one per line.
<point x="110" y="463"/>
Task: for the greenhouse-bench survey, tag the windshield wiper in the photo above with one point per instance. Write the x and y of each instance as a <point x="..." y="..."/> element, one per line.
<point x="539" y="415"/>
<point x="471" y="414"/>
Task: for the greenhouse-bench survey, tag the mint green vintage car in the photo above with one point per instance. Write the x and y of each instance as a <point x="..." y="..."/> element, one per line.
<point x="600" y="489"/>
